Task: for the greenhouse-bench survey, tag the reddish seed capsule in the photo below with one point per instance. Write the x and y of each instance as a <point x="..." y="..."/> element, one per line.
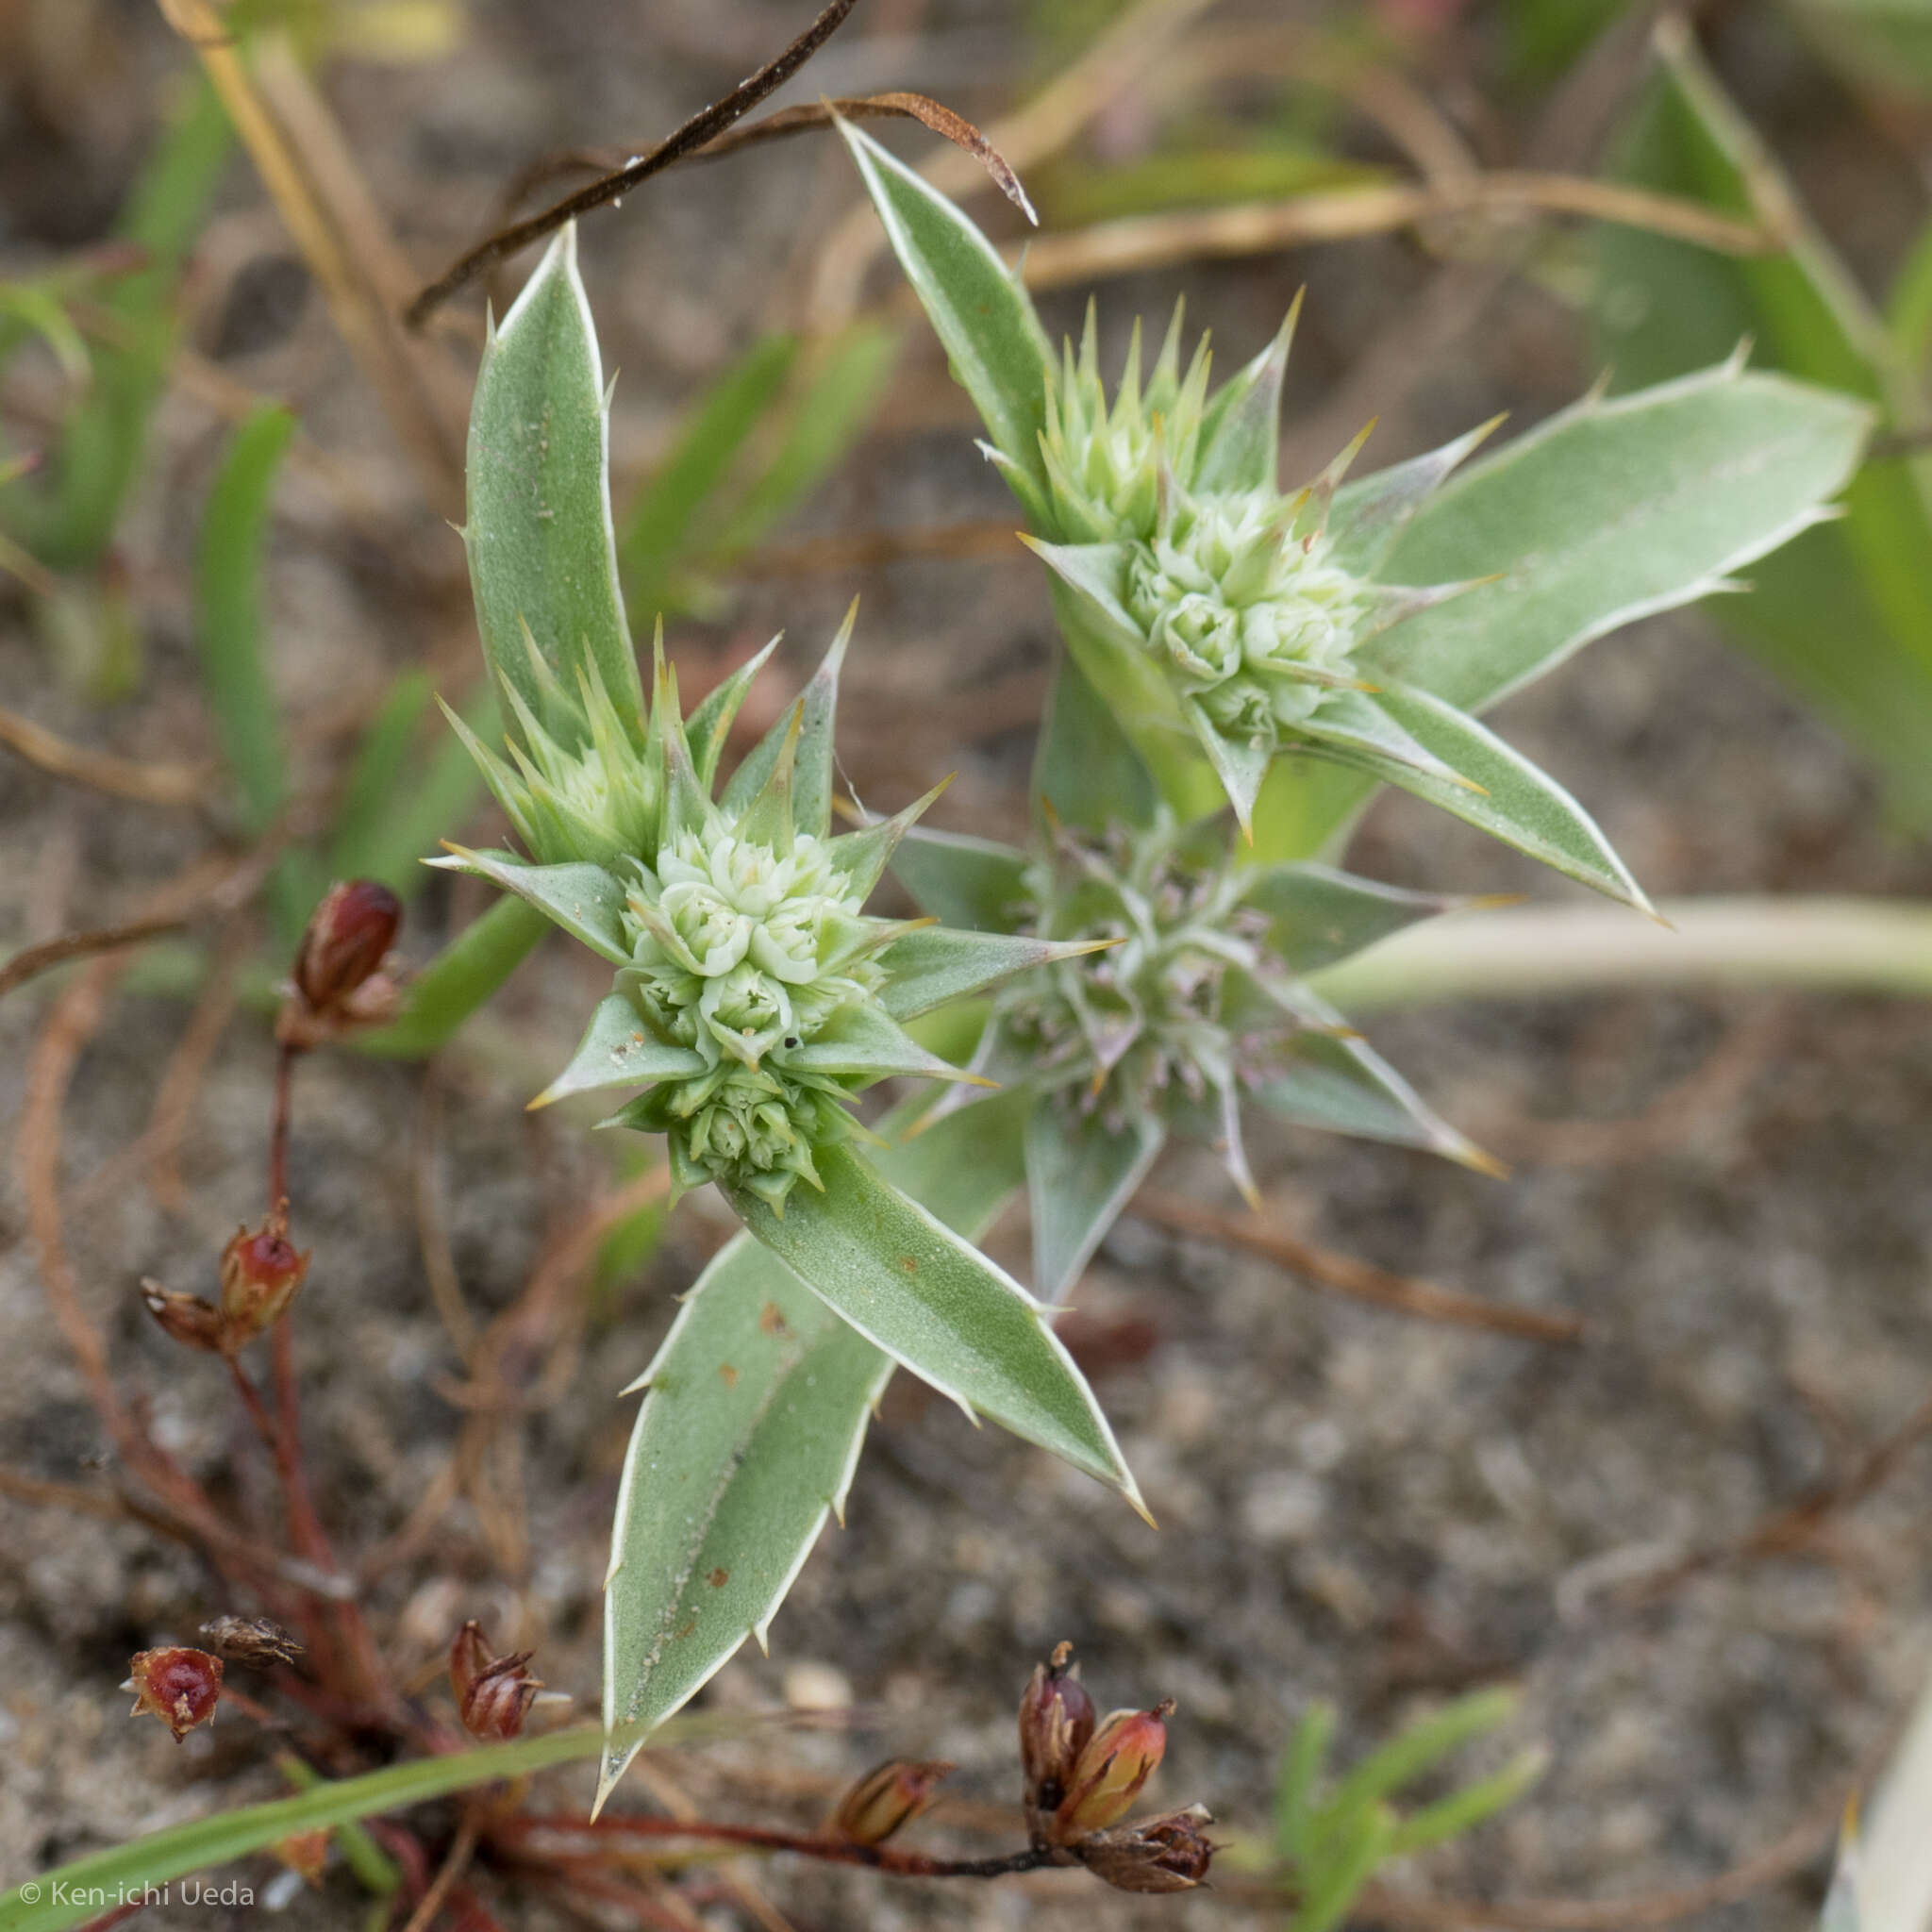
<point x="180" y="1687"/>
<point x="1118" y="1759"/>
<point x="346" y="940"/>
<point x="493" y="1694"/>
<point x="885" y="1800"/>
<point x="260" y="1273"/>
<point x="1056" y="1720"/>
<point x="338" y="979"/>
<point x="1168" y="1854"/>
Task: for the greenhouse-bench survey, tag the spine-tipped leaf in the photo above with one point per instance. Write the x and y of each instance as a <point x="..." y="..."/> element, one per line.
<point x="539" y="533"/>
<point x="583" y="899"/>
<point x="1081" y="1173"/>
<point x="977" y="306"/>
<point x="934" y="1302"/>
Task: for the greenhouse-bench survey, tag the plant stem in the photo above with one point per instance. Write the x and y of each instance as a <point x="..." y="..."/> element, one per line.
<point x="1823" y="944"/>
<point x="279" y="1131"/>
<point x="600" y="1838"/>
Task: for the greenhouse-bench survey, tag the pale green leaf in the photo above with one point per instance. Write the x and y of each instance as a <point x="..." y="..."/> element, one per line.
<point x="584" y="899"/>
<point x="938" y="964"/>
<point x="619" y="1050"/>
<point x="1336" y="1081"/>
<point x="1086" y="770"/>
<point x="748" y="1438"/>
<point x="936" y="1304"/>
<point x="982" y="315"/>
<point x="730" y="1476"/>
<point x="812" y="756"/>
<point x="1318" y="915"/>
<point x="975" y="885"/>
<point x="861" y="1042"/>
<point x="1080" y="1175"/>
<point x="1518" y="803"/>
<point x="538" y="532"/>
<point x="1611" y="512"/>
<point x="1241" y="429"/>
<point x="708" y="727"/>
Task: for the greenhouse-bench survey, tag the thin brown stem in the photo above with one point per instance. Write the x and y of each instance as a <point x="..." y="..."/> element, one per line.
<point x="702" y="128"/>
<point x="279" y="1131"/>
<point x="564" y="1838"/>
<point x="30" y="961"/>
<point x="1358" y="1280"/>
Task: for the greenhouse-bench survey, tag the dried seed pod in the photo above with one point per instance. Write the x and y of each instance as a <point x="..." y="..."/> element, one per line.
<point x="339" y="981"/>
<point x="256" y="1640"/>
<point x="886" y="1799"/>
<point x="493" y="1694"/>
<point x="190" y="1321"/>
<point x="1168" y="1854"/>
<point x="260" y="1273"/>
<point x="181" y="1687"/>
<point x="1118" y="1759"/>
<point x="1057" y="1719"/>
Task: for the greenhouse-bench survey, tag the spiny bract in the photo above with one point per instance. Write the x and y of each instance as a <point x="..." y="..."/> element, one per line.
<point x="752" y="991"/>
<point x="1174" y="544"/>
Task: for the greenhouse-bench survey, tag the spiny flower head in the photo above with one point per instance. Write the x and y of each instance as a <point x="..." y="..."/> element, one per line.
<point x="588" y="784"/>
<point x="1143" y="1027"/>
<point x="1192" y="1001"/>
<point x="1104" y="464"/>
<point x="1177" y="550"/>
<point x="753" y="994"/>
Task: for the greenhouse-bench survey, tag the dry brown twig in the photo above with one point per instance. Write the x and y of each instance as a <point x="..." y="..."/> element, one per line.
<point x="683" y="143"/>
<point x="309" y="173"/>
<point x="1358" y="1280"/>
<point x="1143" y="241"/>
<point x="146" y="783"/>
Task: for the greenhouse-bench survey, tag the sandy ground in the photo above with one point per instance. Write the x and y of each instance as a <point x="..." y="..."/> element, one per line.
<point x="1355" y="1506"/>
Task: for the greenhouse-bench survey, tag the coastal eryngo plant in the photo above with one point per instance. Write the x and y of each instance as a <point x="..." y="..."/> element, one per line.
<point x="1145" y="968"/>
<point x="1232" y="645"/>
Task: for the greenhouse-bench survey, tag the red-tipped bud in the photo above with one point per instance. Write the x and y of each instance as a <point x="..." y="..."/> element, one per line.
<point x="1118" y="1759"/>
<point x="339" y="977"/>
<point x="260" y="1273"/>
<point x="179" y="1686"/>
<point x="251" y="1641"/>
<point x="885" y="1800"/>
<point x="1056" y="1720"/>
<point x="305" y="1852"/>
<point x="1168" y="1854"/>
<point x="493" y="1694"/>
<point x="190" y="1321"/>
<point x="348" y="938"/>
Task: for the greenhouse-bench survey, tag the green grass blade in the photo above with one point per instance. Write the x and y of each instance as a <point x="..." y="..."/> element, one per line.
<point x="84" y="1888"/>
<point x="228" y="583"/>
<point x="842" y="383"/>
<point x="68" y="522"/>
<point x="1398" y="1763"/>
